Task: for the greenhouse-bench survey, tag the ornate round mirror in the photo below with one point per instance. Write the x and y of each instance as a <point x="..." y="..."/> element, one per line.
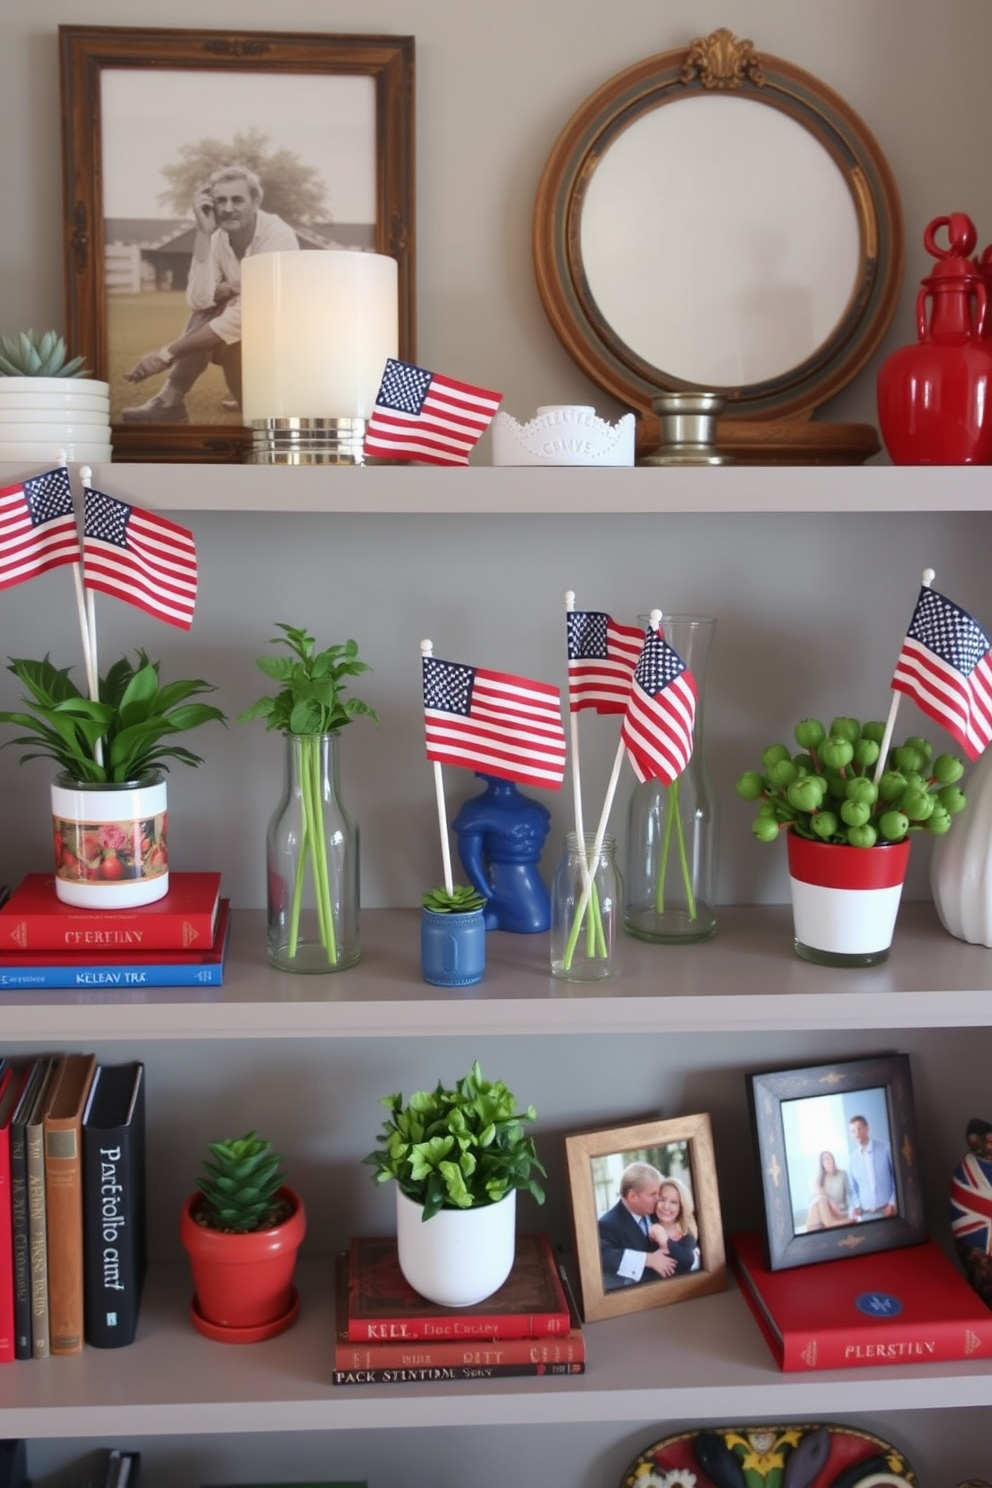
<point x="748" y="242"/>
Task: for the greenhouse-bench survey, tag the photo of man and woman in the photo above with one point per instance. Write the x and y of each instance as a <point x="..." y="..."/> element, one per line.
<point x="839" y="1155"/>
<point x="646" y="1215"/>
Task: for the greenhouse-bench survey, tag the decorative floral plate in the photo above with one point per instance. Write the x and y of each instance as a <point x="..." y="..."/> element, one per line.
<point x="810" y="1456"/>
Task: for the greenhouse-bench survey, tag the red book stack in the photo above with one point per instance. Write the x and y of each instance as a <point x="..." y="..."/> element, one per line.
<point x="388" y="1334"/>
<point x="179" y="941"/>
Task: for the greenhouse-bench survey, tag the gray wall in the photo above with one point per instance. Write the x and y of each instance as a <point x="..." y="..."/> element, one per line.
<point x="811" y="607"/>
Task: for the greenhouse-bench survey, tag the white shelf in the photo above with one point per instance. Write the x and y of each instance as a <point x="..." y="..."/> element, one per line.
<point x="747" y="978"/>
<point x="512" y="490"/>
<point x="173" y="1380"/>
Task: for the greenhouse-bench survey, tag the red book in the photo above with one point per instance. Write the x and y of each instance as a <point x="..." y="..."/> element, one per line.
<point x="396" y="1361"/>
<point x="906" y="1306"/>
<point x="11" y="1083"/>
<point x="382" y="1305"/>
<point x="202" y="953"/>
<point x="185" y="919"/>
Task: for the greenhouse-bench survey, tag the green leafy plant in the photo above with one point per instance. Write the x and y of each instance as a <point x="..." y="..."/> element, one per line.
<point x="239" y="1186"/>
<point x="461" y="899"/>
<point x="458" y="1148"/>
<point x="38" y="354"/>
<point x="122" y="735"/>
<point x="308" y="704"/>
<point x="828" y="791"/>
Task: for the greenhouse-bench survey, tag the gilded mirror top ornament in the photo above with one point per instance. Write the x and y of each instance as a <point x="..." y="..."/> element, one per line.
<point x="722" y="61"/>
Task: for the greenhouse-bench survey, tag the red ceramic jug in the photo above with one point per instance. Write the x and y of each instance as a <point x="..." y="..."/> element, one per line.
<point x="935" y="398"/>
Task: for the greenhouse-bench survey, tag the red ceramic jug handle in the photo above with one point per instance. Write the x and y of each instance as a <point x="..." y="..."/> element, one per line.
<point x="922" y="329"/>
<point x="961" y="235"/>
<point x="981" y="307"/>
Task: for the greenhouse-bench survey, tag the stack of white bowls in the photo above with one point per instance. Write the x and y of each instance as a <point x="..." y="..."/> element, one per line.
<point x="54" y="418"/>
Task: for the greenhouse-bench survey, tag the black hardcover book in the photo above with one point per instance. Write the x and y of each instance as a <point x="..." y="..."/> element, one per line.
<point x="19" y="1210"/>
<point x="114" y="1218"/>
<point x="13" y="1463"/>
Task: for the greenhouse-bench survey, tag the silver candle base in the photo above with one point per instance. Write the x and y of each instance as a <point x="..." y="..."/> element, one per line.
<point x="688" y="430"/>
<point x="299" y="441"/>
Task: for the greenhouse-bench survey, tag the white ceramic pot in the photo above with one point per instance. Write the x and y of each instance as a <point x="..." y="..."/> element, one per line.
<point x="845" y="900"/>
<point x="961" y="866"/>
<point x="459" y="1256"/>
<point x="111" y="849"/>
<point x="39" y="419"/>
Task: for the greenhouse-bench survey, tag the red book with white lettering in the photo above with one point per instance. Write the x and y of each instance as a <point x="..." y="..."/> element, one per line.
<point x="905" y="1306"/>
<point x="382" y="1305"/>
<point x="185" y="919"/>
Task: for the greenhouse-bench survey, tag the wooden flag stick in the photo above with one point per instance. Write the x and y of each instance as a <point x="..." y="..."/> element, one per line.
<point x="427" y="649"/>
<point x="928" y="577"/>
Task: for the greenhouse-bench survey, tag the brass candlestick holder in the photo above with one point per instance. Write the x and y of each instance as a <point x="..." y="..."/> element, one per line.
<point x="688" y="430"/>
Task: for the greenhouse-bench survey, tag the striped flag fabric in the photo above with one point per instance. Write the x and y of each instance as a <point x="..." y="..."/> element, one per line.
<point x="420" y="415"/>
<point x="945" y="667"/>
<point x="971" y="1203"/>
<point x="493" y="722"/>
<point x="139" y="557"/>
<point x="602" y="656"/>
<point x="37" y="527"/>
<point x="657" y="729"/>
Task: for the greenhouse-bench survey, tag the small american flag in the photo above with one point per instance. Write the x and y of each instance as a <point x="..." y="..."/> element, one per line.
<point x="37" y="527"/>
<point x="494" y="722"/>
<point x="139" y="557"/>
<point x="602" y="656"/>
<point x="945" y="666"/>
<point x="971" y="1204"/>
<point x="661" y="711"/>
<point x="420" y="415"/>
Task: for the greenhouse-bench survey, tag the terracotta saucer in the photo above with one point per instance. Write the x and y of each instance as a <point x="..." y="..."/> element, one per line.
<point x="221" y="1333"/>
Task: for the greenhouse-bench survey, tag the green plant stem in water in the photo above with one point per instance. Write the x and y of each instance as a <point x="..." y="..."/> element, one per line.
<point x="592" y="917"/>
<point x="672" y="798"/>
<point x="314" y="851"/>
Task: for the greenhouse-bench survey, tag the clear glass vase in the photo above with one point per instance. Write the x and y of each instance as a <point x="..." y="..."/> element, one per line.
<point x="586" y="900"/>
<point x="312" y="863"/>
<point x="671" y="860"/>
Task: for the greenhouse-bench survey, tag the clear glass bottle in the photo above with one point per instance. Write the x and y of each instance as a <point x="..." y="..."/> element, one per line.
<point x="586" y="930"/>
<point x="312" y="863"/>
<point x="672" y="830"/>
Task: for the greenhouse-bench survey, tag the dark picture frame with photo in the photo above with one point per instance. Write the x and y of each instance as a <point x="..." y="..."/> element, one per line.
<point x="86" y="53"/>
<point x="681" y="1149"/>
<point x="799" y="1117"/>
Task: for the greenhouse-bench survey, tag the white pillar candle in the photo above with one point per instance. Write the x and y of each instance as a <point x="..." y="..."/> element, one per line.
<point x="316" y="329"/>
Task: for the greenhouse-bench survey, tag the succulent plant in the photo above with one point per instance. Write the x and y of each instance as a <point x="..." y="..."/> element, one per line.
<point x="38" y="354"/>
<point x="461" y="899"/>
<point x="240" y="1187"/>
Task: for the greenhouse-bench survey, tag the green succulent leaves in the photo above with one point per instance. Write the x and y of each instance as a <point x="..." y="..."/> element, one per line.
<point x="38" y="354"/>
<point x="239" y="1185"/>
<point x="828" y="792"/>
<point x="134" y="719"/>
<point x="461" y="900"/>
<point x="458" y="1148"/>
<point x="309" y="700"/>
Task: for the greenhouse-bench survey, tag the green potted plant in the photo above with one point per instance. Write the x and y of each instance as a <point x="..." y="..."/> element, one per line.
<point x="452" y="936"/>
<point x="49" y="404"/>
<point x="312" y="852"/>
<point x="849" y="819"/>
<point x="109" y="801"/>
<point x="242" y="1230"/>
<point x="458" y="1156"/>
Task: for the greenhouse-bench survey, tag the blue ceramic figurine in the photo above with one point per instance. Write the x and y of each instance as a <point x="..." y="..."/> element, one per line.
<point x="500" y="837"/>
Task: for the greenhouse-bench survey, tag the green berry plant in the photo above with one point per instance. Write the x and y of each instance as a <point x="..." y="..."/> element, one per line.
<point x="833" y="789"/>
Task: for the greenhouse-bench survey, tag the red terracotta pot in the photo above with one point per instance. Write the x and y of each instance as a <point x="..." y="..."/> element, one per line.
<point x="244" y="1283"/>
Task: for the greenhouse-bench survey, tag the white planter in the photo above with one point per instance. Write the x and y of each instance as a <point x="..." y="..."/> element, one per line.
<point x="845" y="900"/>
<point x="459" y="1256"/>
<point x="39" y="419"/>
<point x="961" y="866"/>
<point x="111" y="849"/>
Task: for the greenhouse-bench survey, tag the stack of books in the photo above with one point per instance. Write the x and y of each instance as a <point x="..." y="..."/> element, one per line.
<point x="179" y="941"/>
<point x="388" y="1334"/>
<point x="72" y="1204"/>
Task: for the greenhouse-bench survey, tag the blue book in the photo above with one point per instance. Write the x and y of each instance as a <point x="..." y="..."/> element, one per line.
<point x="128" y="971"/>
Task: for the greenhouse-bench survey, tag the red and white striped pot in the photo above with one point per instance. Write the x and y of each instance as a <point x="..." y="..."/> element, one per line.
<point x="845" y="899"/>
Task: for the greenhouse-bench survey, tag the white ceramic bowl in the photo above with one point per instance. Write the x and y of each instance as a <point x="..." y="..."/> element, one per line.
<point x="52" y="453"/>
<point x="38" y="423"/>
<point x="62" y="387"/>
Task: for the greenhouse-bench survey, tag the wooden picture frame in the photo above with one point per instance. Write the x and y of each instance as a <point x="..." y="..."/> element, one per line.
<point x="799" y="1117"/>
<point x="680" y="1151"/>
<point x="135" y="101"/>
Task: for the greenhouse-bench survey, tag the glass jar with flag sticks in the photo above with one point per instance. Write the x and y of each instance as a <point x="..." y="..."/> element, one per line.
<point x="672" y="816"/>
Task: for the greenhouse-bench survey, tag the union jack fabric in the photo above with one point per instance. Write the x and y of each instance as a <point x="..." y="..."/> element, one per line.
<point x="971" y="1204"/>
